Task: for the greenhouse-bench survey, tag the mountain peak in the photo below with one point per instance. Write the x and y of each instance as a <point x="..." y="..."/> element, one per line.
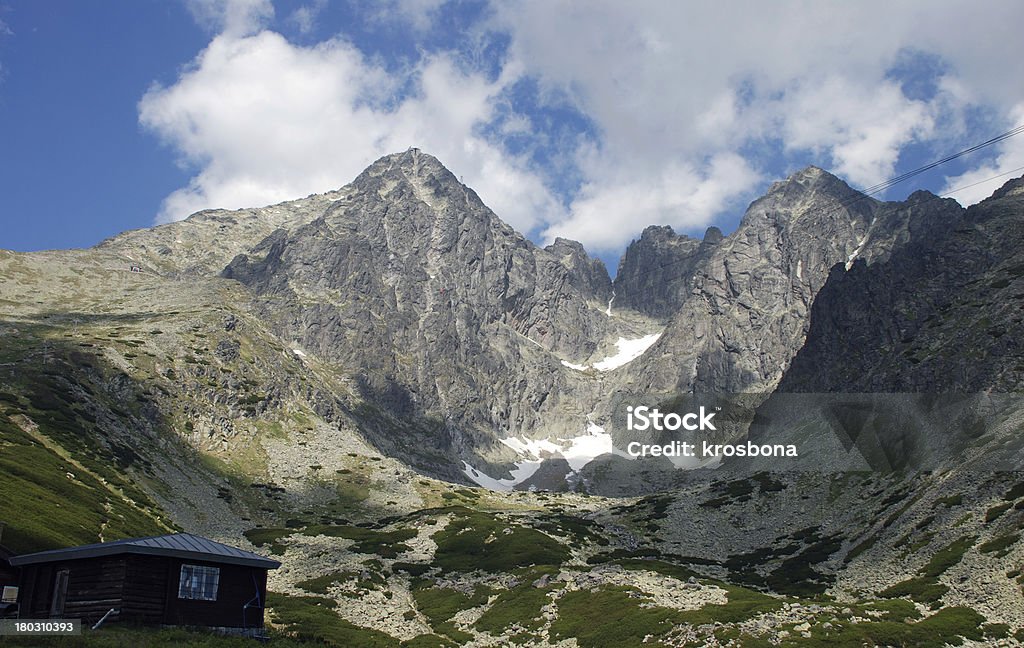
<point x="416" y="173"/>
<point x="811" y="180"/>
<point x="1014" y="187"/>
<point x="811" y="171"/>
<point x="812" y="175"/>
<point x="561" y="244"/>
<point x="410" y="161"/>
<point x="712" y="236"/>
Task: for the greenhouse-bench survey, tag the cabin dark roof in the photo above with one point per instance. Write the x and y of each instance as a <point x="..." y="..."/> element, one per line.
<point x="177" y="545"/>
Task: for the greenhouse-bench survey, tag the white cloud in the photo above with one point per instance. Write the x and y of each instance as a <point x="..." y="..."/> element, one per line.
<point x="691" y="103"/>
<point x="862" y="130"/>
<point x="674" y="87"/>
<point x="4" y="31"/>
<point x="264" y="120"/>
<point x="234" y="17"/>
<point x="979" y="183"/>
<point x="416" y="14"/>
<point x="679" y="195"/>
<point x="305" y="17"/>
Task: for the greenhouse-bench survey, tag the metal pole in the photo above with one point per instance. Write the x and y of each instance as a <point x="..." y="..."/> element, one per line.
<point x="100" y="622"/>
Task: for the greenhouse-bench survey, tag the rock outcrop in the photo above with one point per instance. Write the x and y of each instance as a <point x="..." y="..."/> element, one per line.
<point x="656" y="273"/>
<point x="942" y="314"/>
<point x="747" y="312"/>
<point x="447" y="332"/>
<point x="437" y="307"/>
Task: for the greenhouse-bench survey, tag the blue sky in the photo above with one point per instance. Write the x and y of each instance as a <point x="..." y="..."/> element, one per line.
<point x="586" y="120"/>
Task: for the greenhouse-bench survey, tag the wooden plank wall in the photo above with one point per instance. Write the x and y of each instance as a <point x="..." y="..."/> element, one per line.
<point x="145" y="589"/>
<point x="95" y="586"/>
<point x="237" y="587"/>
<point x="31" y="583"/>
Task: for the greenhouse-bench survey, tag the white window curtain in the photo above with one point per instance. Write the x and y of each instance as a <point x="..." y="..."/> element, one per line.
<point x="199" y="582"/>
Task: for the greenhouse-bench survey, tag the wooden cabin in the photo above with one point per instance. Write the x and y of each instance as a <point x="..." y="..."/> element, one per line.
<point x="180" y="579"/>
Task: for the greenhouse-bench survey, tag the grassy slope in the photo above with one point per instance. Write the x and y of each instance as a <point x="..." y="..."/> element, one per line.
<point x="67" y="479"/>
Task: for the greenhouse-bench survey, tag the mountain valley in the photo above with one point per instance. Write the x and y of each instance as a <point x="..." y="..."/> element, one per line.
<point x="419" y="411"/>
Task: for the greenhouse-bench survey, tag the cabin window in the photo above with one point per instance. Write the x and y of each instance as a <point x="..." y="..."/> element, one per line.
<point x="199" y="582"/>
<point x="10" y="594"/>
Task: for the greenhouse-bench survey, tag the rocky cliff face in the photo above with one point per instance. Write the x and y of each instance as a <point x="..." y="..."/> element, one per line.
<point x="440" y="315"/>
<point x="587" y="275"/>
<point x="941" y="314"/>
<point x="747" y="311"/>
<point x="413" y="286"/>
<point x="656" y="273"/>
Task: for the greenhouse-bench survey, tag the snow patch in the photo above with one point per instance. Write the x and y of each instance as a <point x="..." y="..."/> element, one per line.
<point x="584" y="449"/>
<point x="856" y="253"/>
<point x="609" y="311"/>
<point x="299" y="352"/>
<point x="860" y="246"/>
<point x="629" y="350"/>
<point x="531" y="446"/>
<point x="523" y="471"/>
<point x="577" y="452"/>
<point x="800" y="269"/>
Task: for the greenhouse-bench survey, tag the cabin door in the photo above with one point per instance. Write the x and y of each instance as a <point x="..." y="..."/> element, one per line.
<point x="60" y="593"/>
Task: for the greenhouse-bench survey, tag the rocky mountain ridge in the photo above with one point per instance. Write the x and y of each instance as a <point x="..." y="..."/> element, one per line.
<point x="747" y="311"/>
<point x="942" y="316"/>
<point x="457" y="340"/>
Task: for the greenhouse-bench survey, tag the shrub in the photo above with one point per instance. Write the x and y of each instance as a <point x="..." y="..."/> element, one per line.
<point x="480" y="541"/>
<point x="311" y="618"/>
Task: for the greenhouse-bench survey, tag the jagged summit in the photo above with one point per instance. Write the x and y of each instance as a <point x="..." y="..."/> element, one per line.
<point x="811" y="171"/>
<point x="411" y="165"/>
<point x="712" y="236"/>
<point x="661" y="232"/>
<point x="655" y="273"/>
<point x="1011" y="188"/>
<point x="420" y="176"/>
<point x="812" y="179"/>
<point x="586" y="274"/>
<point x="406" y="250"/>
<point x="411" y="160"/>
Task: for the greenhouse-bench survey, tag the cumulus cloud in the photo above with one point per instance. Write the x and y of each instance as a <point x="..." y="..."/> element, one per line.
<point x="674" y="88"/>
<point x="264" y="120"/>
<point x="690" y="107"/>
<point x="680" y="195"/>
<point x="861" y="130"/>
<point x="235" y="17"/>
<point x="305" y="17"/>
<point x="977" y="184"/>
